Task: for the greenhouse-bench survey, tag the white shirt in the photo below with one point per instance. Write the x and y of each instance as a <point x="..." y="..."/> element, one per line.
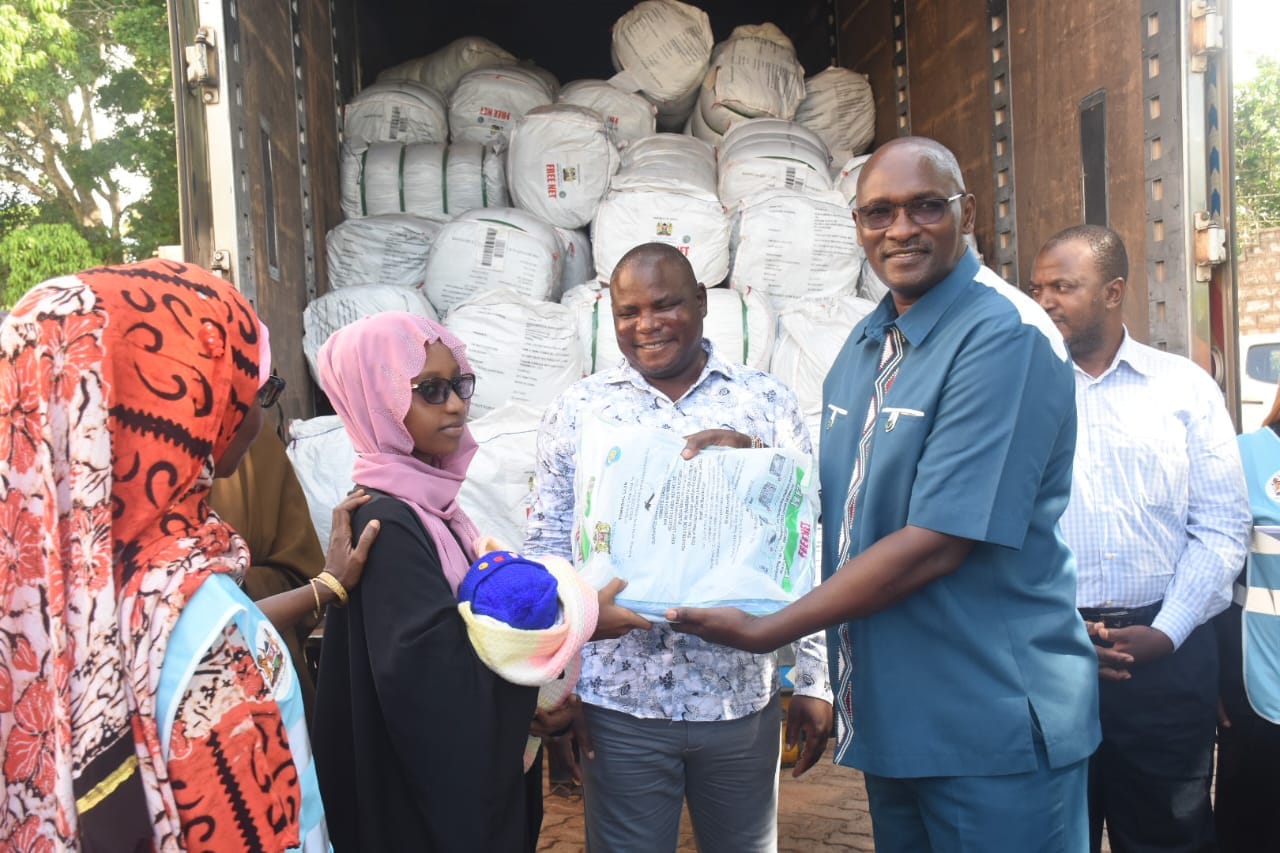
<point x="1159" y="507"/>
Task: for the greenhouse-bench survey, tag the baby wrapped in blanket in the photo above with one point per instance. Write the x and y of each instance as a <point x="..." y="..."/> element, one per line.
<point x="527" y="621"/>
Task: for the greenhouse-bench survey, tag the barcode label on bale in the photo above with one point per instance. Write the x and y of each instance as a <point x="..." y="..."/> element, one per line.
<point x="793" y="180"/>
<point x="494" y="250"/>
<point x="396" y="124"/>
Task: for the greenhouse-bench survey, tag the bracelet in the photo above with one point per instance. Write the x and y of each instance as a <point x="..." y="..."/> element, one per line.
<point x="334" y="584"/>
<point x="756" y="442"/>
<point x="316" y="592"/>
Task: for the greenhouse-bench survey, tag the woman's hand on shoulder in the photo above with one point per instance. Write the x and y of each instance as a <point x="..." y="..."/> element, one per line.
<point x="343" y="560"/>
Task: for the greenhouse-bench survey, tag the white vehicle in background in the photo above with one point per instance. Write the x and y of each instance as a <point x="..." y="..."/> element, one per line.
<point x="1259" y="373"/>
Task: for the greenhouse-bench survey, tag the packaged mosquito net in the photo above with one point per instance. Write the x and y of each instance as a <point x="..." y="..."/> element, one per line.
<point x="728" y="528"/>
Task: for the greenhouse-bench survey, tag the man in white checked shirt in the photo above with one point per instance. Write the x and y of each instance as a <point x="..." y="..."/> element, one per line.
<point x="1159" y="521"/>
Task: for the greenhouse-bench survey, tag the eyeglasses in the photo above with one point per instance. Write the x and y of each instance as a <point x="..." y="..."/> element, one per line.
<point x="921" y="211"/>
<point x="436" y="390"/>
<point x="271" y="390"/>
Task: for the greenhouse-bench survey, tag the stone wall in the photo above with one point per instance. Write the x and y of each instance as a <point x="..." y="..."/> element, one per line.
<point x="1258" y="283"/>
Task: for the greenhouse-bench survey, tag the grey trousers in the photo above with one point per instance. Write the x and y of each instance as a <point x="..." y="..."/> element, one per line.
<point x="644" y="769"/>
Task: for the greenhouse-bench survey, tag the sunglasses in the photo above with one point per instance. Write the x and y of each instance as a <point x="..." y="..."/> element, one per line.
<point x="436" y="390"/>
<point x="271" y="390"/>
<point x="922" y="211"/>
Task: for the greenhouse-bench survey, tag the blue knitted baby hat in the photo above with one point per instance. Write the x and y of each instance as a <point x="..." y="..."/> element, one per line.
<point x="512" y="589"/>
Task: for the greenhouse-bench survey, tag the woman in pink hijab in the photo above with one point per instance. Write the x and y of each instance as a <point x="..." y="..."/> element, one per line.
<point x="418" y="744"/>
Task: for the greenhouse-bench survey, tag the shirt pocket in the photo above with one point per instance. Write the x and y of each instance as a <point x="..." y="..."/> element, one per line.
<point x="1146" y="461"/>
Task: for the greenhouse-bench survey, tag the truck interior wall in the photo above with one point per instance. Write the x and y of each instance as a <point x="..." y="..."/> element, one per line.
<point x="274" y="163"/>
<point x="1061" y="53"/>
<point x="948" y="63"/>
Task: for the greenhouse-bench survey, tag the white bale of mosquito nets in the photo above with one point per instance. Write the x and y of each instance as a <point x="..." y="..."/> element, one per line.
<point x="769" y="157"/>
<point x="847" y="178"/>
<point x="338" y="308"/>
<point x="793" y="246"/>
<point x="579" y="264"/>
<point x="387" y="249"/>
<point x="498" y="491"/>
<point x="422" y="178"/>
<point x="839" y="107"/>
<point x="395" y="111"/>
<point x="811" y="333"/>
<point x="560" y="162"/>
<point x="488" y="101"/>
<point x="661" y="48"/>
<point x="322" y="455"/>
<point x="442" y="69"/>
<point x="522" y="350"/>
<point x="628" y="115"/>
<point x="498" y="248"/>
<point x="754" y="73"/>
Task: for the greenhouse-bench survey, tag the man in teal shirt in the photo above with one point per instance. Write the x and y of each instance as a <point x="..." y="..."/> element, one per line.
<point x="966" y="687"/>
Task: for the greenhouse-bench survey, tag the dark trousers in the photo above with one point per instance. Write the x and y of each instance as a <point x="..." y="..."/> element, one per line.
<point x="1149" y="779"/>
<point x="1248" y="787"/>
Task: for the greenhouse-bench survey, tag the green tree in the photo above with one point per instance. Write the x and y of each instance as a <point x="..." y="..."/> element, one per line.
<point x="1257" y="150"/>
<point x="33" y="253"/>
<point x="84" y="104"/>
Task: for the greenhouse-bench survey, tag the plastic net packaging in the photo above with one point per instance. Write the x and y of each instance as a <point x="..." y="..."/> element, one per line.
<point x="727" y="528"/>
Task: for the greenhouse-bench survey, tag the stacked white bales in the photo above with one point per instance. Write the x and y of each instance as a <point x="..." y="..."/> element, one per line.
<point x="522" y="350"/>
<point x="795" y="246"/>
<point x="499" y="248"/>
<point x="665" y="192"/>
<point x="661" y="48"/>
<point x="322" y="456"/>
<point x="560" y="162"/>
<point x="338" y="308"/>
<point x="811" y="333"/>
<point x="488" y="101"/>
<point x="424" y="178"/>
<point x="628" y="115"/>
<point x="766" y="154"/>
<point x="498" y="490"/>
<point x="839" y="107"/>
<point x="442" y="69"/>
<point x="847" y="178"/>
<point x="390" y="249"/>
<point x="741" y="325"/>
<point x="399" y="111"/>
<point x="578" y="264"/>
<point x="754" y="73"/>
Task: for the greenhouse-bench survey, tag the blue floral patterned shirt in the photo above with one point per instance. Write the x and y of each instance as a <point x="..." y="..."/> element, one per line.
<point x="661" y="674"/>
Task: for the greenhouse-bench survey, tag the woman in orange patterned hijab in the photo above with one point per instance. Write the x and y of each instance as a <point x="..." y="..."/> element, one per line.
<point x="123" y="390"/>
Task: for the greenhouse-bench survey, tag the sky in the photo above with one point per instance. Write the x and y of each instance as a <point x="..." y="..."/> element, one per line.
<point x="1254" y="26"/>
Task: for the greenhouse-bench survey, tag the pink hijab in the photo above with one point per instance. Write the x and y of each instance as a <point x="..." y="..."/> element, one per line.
<point x="366" y="369"/>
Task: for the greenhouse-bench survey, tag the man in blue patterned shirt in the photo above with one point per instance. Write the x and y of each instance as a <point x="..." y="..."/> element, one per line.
<point x="1159" y="522"/>
<point x="672" y="716"/>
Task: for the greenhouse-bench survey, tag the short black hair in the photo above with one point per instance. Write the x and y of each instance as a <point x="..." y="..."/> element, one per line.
<point x="1106" y="246"/>
<point x="657" y="253"/>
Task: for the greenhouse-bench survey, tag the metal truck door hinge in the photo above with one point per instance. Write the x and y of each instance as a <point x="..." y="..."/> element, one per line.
<point x="1211" y="245"/>
<point x="1205" y="34"/>
<point x="221" y="262"/>
<point x="202" y="65"/>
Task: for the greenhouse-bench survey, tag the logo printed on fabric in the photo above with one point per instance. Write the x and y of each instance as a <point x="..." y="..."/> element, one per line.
<point x="270" y="658"/>
<point x="1273" y="487"/>
<point x="806" y="531"/>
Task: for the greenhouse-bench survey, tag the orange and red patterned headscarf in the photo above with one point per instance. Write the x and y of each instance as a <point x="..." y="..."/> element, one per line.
<point x="118" y="388"/>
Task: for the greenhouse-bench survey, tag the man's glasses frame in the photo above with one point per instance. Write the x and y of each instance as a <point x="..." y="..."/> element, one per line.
<point x="436" y="390"/>
<point x="879" y="215"/>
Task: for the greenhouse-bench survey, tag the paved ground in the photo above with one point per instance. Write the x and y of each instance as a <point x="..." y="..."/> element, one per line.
<point x="823" y="811"/>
